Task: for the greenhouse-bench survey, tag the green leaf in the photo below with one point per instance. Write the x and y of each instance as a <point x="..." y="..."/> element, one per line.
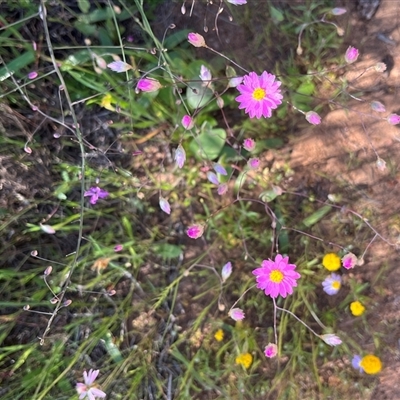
<point x="276" y="14"/>
<point x="209" y="143"/>
<point x="167" y="251"/>
<point x="316" y="216"/>
<point x="17" y="64"/>
<point x="198" y="95"/>
<point x="84" y="6"/>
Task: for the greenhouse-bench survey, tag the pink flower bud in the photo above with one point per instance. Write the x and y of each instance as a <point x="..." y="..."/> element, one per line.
<point x="378" y="106"/>
<point x="222" y="189"/>
<point x="148" y="85"/>
<point x="195" y="231"/>
<point x="249" y="144"/>
<point x="48" y="270"/>
<point x="338" y="11"/>
<point x="226" y="271"/>
<point x="205" y="74"/>
<point x="380" y="67"/>
<point x="351" y="55"/>
<point x="271" y="350"/>
<point x="253" y="163"/>
<point x="236" y="314"/>
<point x="212" y="178"/>
<point x="349" y="261"/>
<point x="219" y="169"/>
<point x="119" y="66"/>
<point x="32" y="75"/>
<point x="180" y="156"/>
<point x="237" y="2"/>
<point x="164" y="205"/>
<point x="331" y="339"/>
<point x="313" y="118"/>
<point x="196" y="40"/>
<point x="187" y="122"/>
<point x="393" y="119"/>
<point x="48" y="229"/>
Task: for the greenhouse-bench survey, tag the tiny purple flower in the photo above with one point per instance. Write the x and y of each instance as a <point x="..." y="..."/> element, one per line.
<point x="32" y="75"/>
<point x="212" y="178"/>
<point x="313" y="118"/>
<point x="219" y="169"/>
<point x="249" y="144"/>
<point x="196" y="40"/>
<point x="378" y="106"/>
<point x="195" y="231"/>
<point x="351" y="55"/>
<point x="180" y="156"/>
<point x="118" y="247"/>
<point x="356" y="363"/>
<point x="332" y="284"/>
<point x="205" y="74"/>
<point x="95" y="193"/>
<point x="187" y="122"/>
<point x="338" y="11"/>
<point x="87" y="389"/>
<point x="164" y="205"/>
<point x="349" y="261"/>
<point x="236" y="314"/>
<point x="331" y="339"/>
<point x="393" y="119"/>
<point x="148" y="85"/>
<point x="119" y="66"/>
<point x="226" y="271"/>
<point x="222" y="189"/>
<point x="271" y="350"/>
<point x="253" y="163"/>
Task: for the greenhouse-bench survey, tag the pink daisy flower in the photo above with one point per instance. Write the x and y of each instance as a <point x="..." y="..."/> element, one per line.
<point x="276" y="277"/>
<point x="259" y="94"/>
<point x="87" y="389"/>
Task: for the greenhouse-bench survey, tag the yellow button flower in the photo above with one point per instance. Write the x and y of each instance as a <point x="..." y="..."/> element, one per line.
<point x="219" y="335"/>
<point x="244" y="359"/>
<point x="357" y="308"/>
<point x="371" y="364"/>
<point x="331" y="261"/>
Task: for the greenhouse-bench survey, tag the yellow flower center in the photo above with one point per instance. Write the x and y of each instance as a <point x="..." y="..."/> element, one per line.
<point x="357" y="308"/>
<point x="259" y="94"/>
<point x="219" y="335"/>
<point x="276" y="276"/>
<point x="244" y="359"/>
<point x="336" y="285"/>
<point x="331" y="262"/>
<point x="371" y="364"/>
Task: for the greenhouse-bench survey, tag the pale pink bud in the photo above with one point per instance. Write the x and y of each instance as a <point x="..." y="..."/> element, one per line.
<point x="27" y="307"/>
<point x="32" y="75"/>
<point x="226" y="271"/>
<point x="67" y="303"/>
<point x="205" y="74"/>
<point x="196" y="40"/>
<point x="393" y="119"/>
<point x="180" y="156"/>
<point x="220" y="102"/>
<point x="378" y="106"/>
<point x="271" y="350"/>
<point x="313" y="118"/>
<point x="187" y="122"/>
<point x="380" y="67"/>
<point x="249" y="144"/>
<point x="219" y="169"/>
<point x="149" y="85"/>
<point x="331" y="339"/>
<point x="112" y="292"/>
<point x="195" y="231"/>
<point x="118" y="248"/>
<point x="253" y="163"/>
<point x="236" y="314"/>
<point x="48" y="229"/>
<point x="212" y="178"/>
<point x="54" y="300"/>
<point x="338" y="11"/>
<point x="351" y="55"/>
<point x="237" y="2"/>
<point x="164" y="205"/>
<point x="222" y="189"/>
<point x="349" y="261"/>
<point x="380" y="164"/>
<point x="48" y="270"/>
<point x="119" y="66"/>
<point x="233" y="82"/>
